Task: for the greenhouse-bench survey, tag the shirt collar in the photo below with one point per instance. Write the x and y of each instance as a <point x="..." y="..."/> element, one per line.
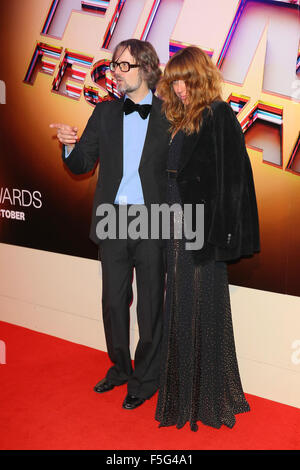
<point x="146" y="100"/>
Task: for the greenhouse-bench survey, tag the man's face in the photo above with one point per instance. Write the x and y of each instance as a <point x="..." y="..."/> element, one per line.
<point x="131" y="81"/>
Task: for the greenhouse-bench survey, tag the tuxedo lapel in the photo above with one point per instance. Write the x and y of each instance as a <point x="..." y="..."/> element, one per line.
<point x="115" y="132"/>
<point x="153" y="131"/>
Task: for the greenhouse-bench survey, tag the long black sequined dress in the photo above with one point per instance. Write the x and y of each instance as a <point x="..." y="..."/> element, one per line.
<point x="200" y="379"/>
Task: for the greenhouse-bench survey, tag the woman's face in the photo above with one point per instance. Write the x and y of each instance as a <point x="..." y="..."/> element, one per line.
<point x="180" y="90"/>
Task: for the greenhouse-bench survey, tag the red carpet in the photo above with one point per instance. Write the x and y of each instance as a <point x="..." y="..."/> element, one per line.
<point x="48" y="403"/>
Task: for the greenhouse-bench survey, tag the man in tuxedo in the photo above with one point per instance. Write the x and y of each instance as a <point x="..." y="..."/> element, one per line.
<point x="129" y="138"/>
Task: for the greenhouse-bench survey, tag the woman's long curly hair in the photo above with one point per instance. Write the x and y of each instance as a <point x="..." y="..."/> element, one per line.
<point x="203" y="83"/>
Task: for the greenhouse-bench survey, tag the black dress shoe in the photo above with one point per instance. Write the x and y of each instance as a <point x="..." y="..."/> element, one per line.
<point x="103" y="386"/>
<point x="131" y="402"/>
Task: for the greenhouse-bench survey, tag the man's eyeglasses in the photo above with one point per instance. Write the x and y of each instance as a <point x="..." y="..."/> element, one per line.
<point x="124" y="66"/>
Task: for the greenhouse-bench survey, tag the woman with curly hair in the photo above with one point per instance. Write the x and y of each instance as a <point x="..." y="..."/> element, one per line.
<point x="208" y="165"/>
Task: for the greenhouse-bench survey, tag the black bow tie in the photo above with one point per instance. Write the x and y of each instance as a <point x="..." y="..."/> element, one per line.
<point x="142" y="109"/>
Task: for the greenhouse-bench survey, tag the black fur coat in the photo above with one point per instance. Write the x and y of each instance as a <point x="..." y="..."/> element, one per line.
<point x="215" y="170"/>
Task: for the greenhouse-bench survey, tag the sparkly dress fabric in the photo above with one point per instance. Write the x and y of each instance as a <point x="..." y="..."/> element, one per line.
<point x="199" y="378"/>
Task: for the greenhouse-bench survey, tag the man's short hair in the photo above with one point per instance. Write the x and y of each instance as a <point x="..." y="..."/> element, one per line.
<point x="145" y="55"/>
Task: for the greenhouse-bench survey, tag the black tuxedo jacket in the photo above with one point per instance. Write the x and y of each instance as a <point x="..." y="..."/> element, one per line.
<point x="215" y="170"/>
<point x="102" y="140"/>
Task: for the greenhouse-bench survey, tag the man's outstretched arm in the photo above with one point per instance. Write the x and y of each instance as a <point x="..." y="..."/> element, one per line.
<point x="79" y="155"/>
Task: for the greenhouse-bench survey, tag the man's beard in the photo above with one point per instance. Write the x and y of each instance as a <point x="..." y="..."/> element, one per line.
<point x="123" y="87"/>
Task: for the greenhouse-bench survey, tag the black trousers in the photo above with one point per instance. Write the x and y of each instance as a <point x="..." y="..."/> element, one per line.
<point x="118" y="259"/>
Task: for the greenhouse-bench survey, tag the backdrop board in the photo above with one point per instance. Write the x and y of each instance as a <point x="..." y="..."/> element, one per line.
<point x="54" y="68"/>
